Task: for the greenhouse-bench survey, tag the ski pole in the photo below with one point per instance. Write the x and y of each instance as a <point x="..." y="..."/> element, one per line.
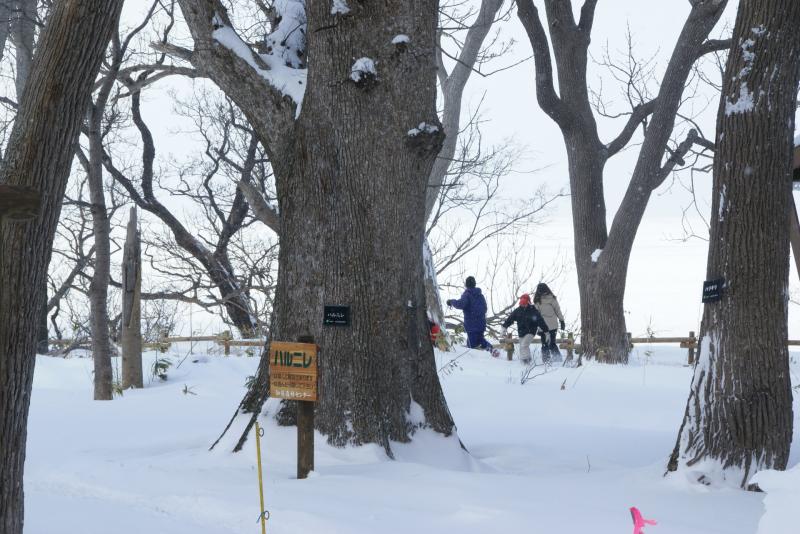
<point x="264" y="515"/>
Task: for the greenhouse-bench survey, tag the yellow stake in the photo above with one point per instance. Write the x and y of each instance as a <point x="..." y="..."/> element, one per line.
<point x="260" y="483"/>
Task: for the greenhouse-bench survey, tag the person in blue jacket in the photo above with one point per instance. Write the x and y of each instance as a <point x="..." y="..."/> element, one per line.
<point x="474" y="305"/>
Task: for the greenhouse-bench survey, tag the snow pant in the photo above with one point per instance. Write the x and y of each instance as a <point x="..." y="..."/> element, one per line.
<point x="525" y="347"/>
<point x="475" y="340"/>
<point x="549" y="347"/>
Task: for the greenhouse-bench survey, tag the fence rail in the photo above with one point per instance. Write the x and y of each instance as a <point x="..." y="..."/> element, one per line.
<point x="163" y="344"/>
<point x="567" y="343"/>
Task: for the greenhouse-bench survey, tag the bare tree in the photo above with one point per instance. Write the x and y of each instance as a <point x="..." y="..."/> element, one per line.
<point x="225" y="213"/>
<point x="602" y="256"/>
<point x="739" y="414"/>
<point x="38" y="156"/>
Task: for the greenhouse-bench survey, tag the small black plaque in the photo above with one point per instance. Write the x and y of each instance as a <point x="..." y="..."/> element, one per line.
<point x="336" y="316"/>
<point x="712" y="290"/>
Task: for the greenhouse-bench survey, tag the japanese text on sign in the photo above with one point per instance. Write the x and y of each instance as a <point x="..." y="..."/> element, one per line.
<point x="293" y="371"/>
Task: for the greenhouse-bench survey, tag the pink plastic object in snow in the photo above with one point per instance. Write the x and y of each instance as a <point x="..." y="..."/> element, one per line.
<point x="640" y="522"/>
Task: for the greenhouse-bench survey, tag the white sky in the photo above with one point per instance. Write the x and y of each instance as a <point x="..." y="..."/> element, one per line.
<point x="665" y="275"/>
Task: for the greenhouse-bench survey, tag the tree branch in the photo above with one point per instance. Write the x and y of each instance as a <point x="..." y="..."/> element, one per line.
<point x="546" y="95"/>
<point x="640" y="113"/>
<point x="261" y="209"/>
<point x="269" y="111"/>
<point x="587" y="16"/>
<point x="713" y="45"/>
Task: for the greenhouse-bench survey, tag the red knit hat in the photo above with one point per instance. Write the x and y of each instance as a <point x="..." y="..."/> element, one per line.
<point x="525" y="300"/>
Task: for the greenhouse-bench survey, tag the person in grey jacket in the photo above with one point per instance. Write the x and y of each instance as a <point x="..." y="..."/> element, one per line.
<point x="548" y="307"/>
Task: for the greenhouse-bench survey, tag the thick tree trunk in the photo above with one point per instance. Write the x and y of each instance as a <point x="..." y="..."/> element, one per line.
<point x="351" y="177"/>
<point x="39" y="154"/>
<point x="343" y="243"/>
<point x="601" y="293"/>
<point x="739" y="414"/>
<point x="132" y="307"/>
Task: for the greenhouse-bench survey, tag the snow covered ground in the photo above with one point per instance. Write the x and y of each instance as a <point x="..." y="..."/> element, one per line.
<point x="542" y="459"/>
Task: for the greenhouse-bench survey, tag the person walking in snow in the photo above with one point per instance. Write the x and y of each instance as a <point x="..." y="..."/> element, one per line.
<point x="473" y="304"/>
<point x="548" y="307"/>
<point x="528" y="320"/>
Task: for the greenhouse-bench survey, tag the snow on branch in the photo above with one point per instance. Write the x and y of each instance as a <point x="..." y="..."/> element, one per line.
<point x="281" y="65"/>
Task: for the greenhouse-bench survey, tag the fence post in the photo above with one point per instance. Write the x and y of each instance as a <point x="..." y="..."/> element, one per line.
<point x="570" y="345"/>
<point x="509" y="346"/>
<point x="692" y="343"/>
<point x="628" y="338"/>
<point x="225" y="339"/>
<point x="305" y="430"/>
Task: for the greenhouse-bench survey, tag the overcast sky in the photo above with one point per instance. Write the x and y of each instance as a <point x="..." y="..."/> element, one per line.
<point x="665" y="274"/>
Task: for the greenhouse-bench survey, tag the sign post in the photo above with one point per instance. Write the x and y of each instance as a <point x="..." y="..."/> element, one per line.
<point x="293" y="376"/>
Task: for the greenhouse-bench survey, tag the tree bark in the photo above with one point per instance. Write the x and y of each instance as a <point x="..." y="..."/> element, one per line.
<point x="42" y="333"/>
<point x="132" y="307"/>
<point x="341" y="242"/>
<point x="98" y="287"/>
<point x="601" y="257"/>
<point x="739" y="413"/>
<point x="39" y="154"/>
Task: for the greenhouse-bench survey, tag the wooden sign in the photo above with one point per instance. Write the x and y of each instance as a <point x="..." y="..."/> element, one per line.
<point x="712" y="290"/>
<point x="293" y="371"/>
<point x="336" y="316"/>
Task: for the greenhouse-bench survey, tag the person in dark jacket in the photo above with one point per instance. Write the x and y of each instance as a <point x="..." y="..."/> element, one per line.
<point x="528" y="320"/>
<point x="474" y="305"/>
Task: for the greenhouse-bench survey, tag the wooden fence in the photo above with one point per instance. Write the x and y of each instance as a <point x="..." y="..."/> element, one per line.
<point x="163" y="344"/>
<point x="568" y="343"/>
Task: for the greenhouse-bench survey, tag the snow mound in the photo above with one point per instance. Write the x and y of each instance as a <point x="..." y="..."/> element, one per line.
<point x="783" y="494"/>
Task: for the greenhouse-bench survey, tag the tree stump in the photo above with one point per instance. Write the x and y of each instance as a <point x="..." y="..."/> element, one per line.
<point x="132" y="374"/>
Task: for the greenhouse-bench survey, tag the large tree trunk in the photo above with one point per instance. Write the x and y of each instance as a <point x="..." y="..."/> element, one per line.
<point x="351" y="178"/>
<point x="739" y="414"/>
<point x="343" y="243"/>
<point x="39" y="154"/>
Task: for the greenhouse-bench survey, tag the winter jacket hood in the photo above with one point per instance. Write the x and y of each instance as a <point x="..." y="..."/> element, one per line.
<point x="550" y="310"/>
<point x="474" y="305"/>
